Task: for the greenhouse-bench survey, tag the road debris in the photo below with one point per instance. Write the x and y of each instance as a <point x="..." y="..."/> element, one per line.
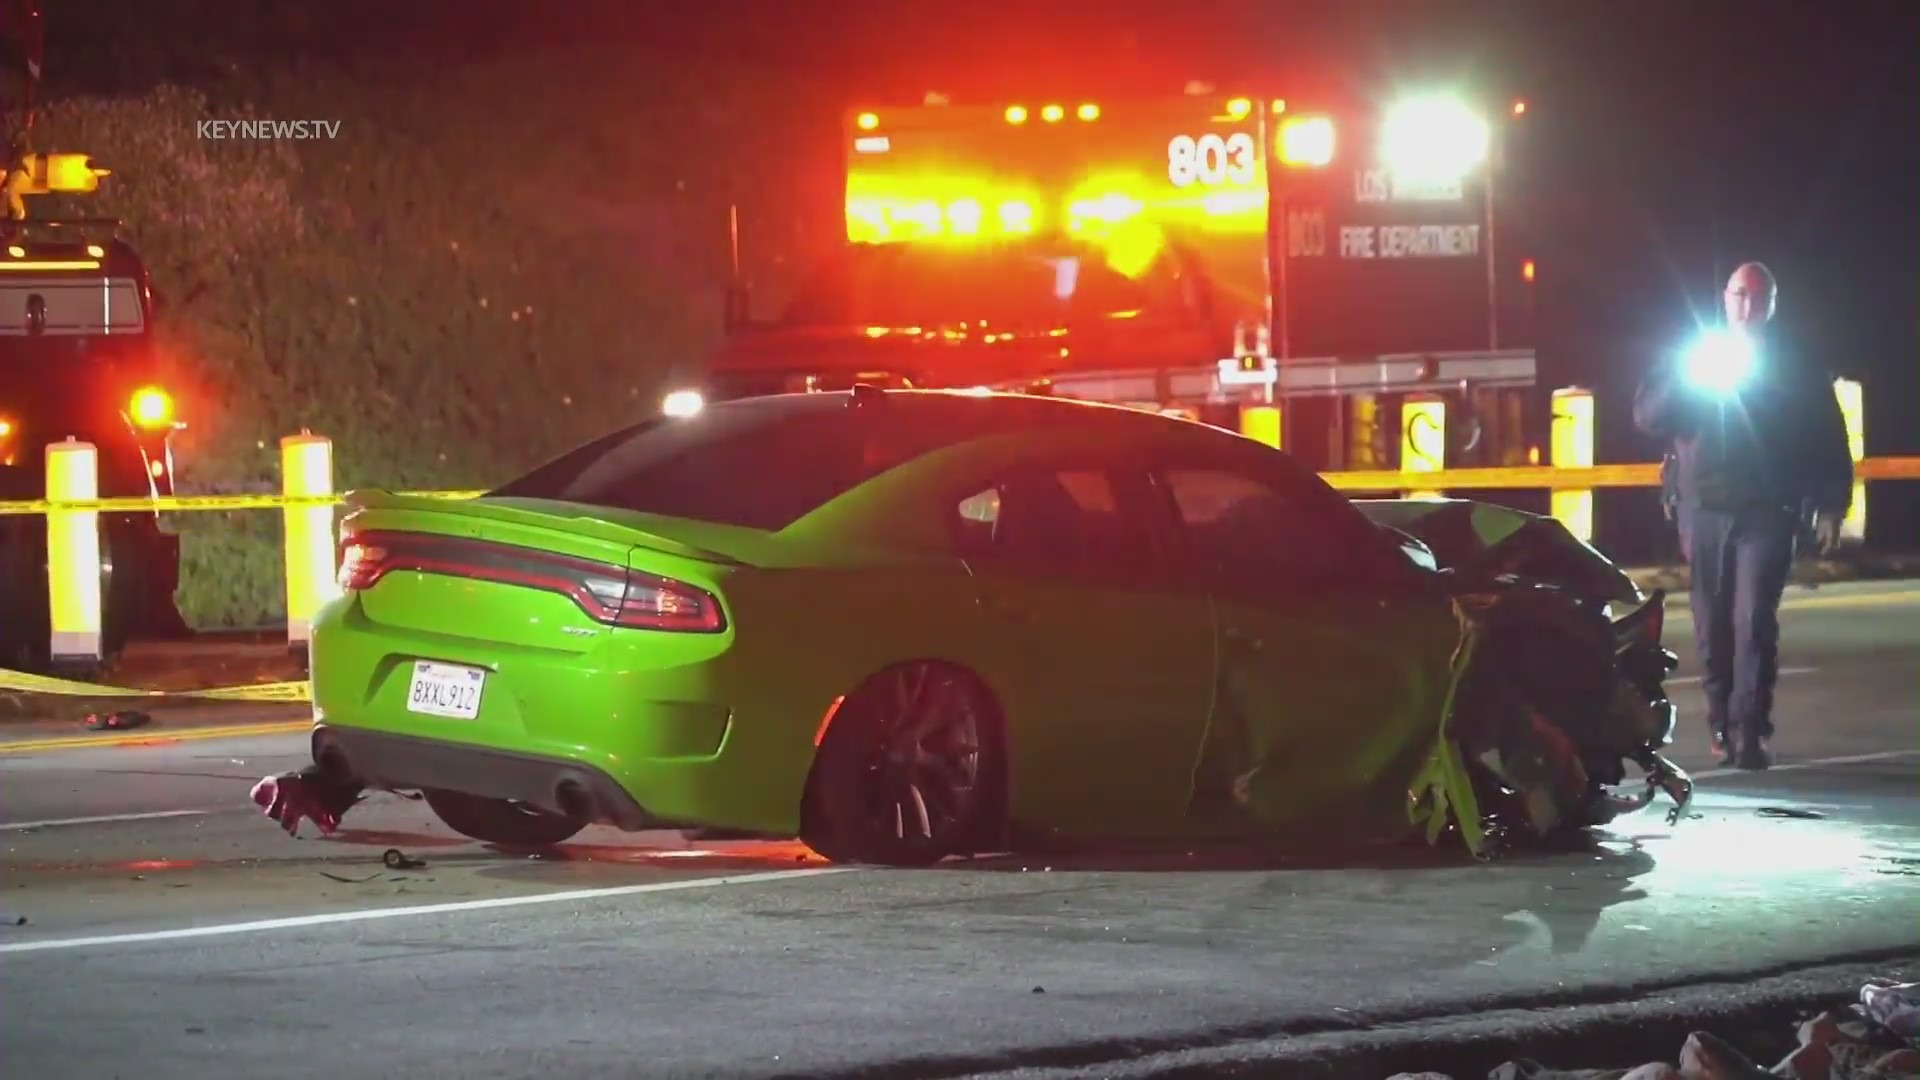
<point x="123" y="720"/>
<point x="1791" y="812"/>
<point x="306" y="793"/>
<point x="1876" y="1038"/>
<point x="395" y="859"/>
<point x="349" y="880"/>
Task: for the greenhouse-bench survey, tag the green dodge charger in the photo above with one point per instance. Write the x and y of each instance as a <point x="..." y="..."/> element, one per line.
<point x="900" y="625"/>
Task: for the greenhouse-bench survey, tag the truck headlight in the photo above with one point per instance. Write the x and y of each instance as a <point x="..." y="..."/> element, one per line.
<point x="683" y="403"/>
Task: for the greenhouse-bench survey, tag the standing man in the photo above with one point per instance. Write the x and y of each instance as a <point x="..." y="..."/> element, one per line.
<point x="1757" y="443"/>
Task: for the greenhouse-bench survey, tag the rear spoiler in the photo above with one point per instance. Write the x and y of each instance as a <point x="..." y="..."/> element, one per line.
<point x="454" y="505"/>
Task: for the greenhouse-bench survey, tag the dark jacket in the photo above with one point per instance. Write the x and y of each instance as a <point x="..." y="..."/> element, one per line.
<point x="1781" y="440"/>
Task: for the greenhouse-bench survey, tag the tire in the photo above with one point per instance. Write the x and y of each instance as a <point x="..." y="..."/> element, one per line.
<point x="913" y="770"/>
<point x="499" y="821"/>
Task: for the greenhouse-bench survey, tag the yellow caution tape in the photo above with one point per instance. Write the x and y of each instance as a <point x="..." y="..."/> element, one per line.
<point x="1523" y="477"/>
<point x="21" y="682"/>
<point x="174" y="503"/>
<point x="277" y="691"/>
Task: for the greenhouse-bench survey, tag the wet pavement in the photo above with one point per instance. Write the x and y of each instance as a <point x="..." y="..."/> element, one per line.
<point x="205" y="942"/>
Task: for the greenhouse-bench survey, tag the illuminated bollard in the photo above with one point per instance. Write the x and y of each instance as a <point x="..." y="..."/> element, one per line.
<point x="1363" y="429"/>
<point x="1423" y="443"/>
<point x="73" y="554"/>
<point x="1853" y="409"/>
<point x="1572" y="448"/>
<point x="306" y="470"/>
<point x="1261" y="423"/>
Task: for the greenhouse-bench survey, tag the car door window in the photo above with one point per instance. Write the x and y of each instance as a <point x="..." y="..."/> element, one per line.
<point x="1055" y="521"/>
<point x="1249" y="530"/>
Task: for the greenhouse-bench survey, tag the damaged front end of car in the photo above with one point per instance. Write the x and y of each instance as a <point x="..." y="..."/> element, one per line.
<point x="1550" y="695"/>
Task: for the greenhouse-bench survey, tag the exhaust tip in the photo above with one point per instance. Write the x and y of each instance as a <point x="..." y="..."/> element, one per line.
<point x="572" y="799"/>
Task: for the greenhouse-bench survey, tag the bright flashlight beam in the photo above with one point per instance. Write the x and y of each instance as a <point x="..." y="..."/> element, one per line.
<point x="1720" y="362"/>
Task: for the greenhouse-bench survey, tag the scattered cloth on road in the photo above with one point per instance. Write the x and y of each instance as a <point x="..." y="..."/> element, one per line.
<point x="307" y="793"/>
<point x="1876" y="1039"/>
<point x="1896" y="1008"/>
<point x="124" y="720"/>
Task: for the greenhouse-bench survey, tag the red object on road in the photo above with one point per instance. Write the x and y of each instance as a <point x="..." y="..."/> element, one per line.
<point x="291" y="796"/>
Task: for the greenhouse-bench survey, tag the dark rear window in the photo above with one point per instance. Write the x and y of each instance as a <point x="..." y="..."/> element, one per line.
<point x="760" y="464"/>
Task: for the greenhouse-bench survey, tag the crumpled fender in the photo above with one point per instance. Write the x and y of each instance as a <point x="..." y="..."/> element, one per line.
<point x="1482" y="541"/>
<point x="1492" y="719"/>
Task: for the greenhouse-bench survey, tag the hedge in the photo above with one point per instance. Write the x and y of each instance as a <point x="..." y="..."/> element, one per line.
<point x="486" y="266"/>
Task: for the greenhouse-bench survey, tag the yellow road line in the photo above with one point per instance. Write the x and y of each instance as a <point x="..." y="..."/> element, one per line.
<point x="152" y="735"/>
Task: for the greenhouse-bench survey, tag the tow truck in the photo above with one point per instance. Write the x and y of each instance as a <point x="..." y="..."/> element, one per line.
<point x="1293" y="268"/>
<point x="77" y="360"/>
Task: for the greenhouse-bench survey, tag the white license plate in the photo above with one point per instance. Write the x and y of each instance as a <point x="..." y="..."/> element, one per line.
<point x="445" y="690"/>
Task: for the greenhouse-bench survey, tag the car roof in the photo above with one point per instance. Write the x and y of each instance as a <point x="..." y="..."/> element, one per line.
<point x="928" y="405"/>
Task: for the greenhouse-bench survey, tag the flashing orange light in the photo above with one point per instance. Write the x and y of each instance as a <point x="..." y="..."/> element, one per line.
<point x="1016" y="114"/>
<point x="1306" y="141"/>
<point x="1111" y="208"/>
<point x="1526" y="270"/>
<point x="1089" y="111"/>
<point x="964" y="216"/>
<point x="868" y="121"/>
<point x="1239" y="107"/>
<point x="1278" y="106"/>
<point x="6" y="428"/>
<point x="1015" y="217"/>
<point x="1052" y="114"/>
<point x="151" y="407"/>
<point x="156" y="468"/>
<point x="16" y="251"/>
<point x="1519" y="108"/>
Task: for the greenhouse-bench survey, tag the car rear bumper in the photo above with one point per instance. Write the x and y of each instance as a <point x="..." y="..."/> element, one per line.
<point x="383" y="760"/>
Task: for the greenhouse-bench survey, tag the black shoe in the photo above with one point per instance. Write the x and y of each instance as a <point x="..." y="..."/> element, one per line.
<point x="1755" y="757"/>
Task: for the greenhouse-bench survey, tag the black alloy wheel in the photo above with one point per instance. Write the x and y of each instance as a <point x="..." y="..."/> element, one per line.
<point x="910" y="772"/>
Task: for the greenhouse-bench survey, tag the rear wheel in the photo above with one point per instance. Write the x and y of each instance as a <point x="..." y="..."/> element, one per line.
<point x="910" y="772"/>
<point x="502" y="821"/>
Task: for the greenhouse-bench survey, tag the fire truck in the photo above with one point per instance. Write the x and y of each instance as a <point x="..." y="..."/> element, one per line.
<point x="77" y="361"/>
<point x="1293" y="268"/>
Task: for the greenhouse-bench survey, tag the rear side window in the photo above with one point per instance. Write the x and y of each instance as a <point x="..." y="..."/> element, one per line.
<point x="761" y="464"/>
<point x="1054" y="521"/>
<point x="1248" y="529"/>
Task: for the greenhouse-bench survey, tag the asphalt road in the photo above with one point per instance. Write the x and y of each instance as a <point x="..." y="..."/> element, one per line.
<point x="173" y="932"/>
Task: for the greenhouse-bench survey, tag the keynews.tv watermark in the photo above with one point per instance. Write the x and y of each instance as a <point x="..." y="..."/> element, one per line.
<point x="268" y="129"/>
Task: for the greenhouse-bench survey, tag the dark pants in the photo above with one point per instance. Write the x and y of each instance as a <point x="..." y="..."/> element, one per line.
<point x="1739" y="563"/>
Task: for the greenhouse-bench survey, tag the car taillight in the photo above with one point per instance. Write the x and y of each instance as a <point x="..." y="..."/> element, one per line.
<point x="608" y="594"/>
<point x="360" y="563"/>
<point x="657" y="603"/>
